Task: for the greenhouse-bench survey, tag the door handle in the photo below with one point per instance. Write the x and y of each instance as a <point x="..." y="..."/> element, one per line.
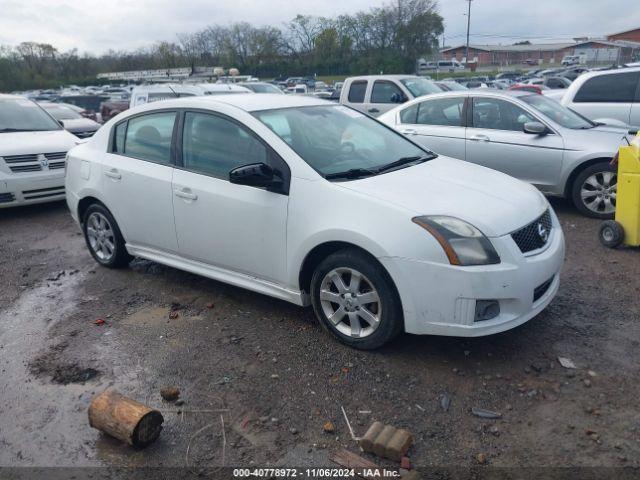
<point x="374" y="110"/>
<point x="185" y="193"/>
<point x="479" y="138"/>
<point x="408" y="131"/>
<point x="113" y="173"/>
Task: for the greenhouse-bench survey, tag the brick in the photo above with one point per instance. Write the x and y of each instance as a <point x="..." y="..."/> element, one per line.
<point x="405" y="463"/>
<point x="398" y="445"/>
<point x="366" y="442"/>
<point x="381" y="441"/>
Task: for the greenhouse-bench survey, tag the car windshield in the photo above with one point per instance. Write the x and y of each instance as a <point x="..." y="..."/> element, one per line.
<point x="420" y="86"/>
<point x="23" y="115"/>
<point x="341" y="143"/>
<point x="455" y="86"/>
<point x="556" y="112"/>
<point x="62" y="113"/>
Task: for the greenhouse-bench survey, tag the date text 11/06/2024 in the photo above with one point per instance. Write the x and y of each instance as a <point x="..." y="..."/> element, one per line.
<point x="314" y="473"/>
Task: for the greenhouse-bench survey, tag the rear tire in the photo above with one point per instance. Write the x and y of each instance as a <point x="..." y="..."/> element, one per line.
<point x="594" y="191"/>
<point x="103" y="237"/>
<point x="611" y="234"/>
<point x="355" y="300"/>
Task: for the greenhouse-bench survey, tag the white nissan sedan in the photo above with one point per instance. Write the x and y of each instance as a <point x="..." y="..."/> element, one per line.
<point x="317" y="204"/>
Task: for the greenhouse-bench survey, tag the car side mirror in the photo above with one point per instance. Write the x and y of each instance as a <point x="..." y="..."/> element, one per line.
<point x="258" y="175"/>
<point x="535" y="128"/>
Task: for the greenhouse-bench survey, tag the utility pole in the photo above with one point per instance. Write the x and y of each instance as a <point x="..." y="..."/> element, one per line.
<point x="468" y="28"/>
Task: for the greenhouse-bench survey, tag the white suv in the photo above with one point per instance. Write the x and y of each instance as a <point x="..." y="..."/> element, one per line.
<point x="33" y="147"/>
<point x="318" y="204"/>
<point x="606" y="95"/>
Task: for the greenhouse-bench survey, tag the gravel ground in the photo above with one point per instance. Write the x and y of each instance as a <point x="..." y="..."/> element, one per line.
<point x="267" y="370"/>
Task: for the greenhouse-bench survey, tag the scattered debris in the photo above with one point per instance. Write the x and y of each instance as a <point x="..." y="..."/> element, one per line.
<point x="566" y="362"/>
<point x="445" y="402"/>
<point x="275" y="375"/>
<point x="591" y="373"/>
<point x="346" y="419"/>
<point x="210" y="305"/>
<point x="173" y="314"/>
<point x="329" y="427"/>
<point x="405" y="463"/>
<point x="56" y="276"/>
<point x="125" y="419"/>
<point x="99" y="321"/>
<point x="386" y="441"/>
<point x="488" y="414"/>
<point x="587" y="382"/>
<point x="481" y="458"/>
<point x="351" y="460"/>
<point x="420" y="408"/>
<point x="170" y="394"/>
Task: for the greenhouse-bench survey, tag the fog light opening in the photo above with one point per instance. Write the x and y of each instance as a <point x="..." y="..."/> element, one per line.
<point x="486" y="310"/>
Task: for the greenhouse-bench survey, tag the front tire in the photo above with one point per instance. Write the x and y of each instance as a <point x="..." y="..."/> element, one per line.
<point x="355" y="300"/>
<point x="594" y="191"/>
<point x="103" y="237"/>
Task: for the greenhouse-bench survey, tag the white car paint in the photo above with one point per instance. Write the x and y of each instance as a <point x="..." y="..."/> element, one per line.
<point x="32" y="163"/>
<point x="164" y="91"/>
<point x="259" y="240"/>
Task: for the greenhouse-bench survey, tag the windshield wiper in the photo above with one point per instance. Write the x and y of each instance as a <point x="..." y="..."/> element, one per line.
<point x="403" y="161"/>
<point x="352" y="173"/>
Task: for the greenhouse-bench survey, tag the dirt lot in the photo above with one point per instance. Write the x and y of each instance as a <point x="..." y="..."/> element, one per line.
<point x="280" y="377"/>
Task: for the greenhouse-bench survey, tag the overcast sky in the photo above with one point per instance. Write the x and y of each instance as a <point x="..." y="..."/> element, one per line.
<point x="98" y="25"/>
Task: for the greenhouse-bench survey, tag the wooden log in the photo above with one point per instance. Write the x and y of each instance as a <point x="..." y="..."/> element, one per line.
<point x="125" y="419"/>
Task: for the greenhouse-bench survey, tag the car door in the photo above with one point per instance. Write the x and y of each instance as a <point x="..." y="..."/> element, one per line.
<point x="438" y="124"/>
<point x="495" y="139"/>
<point x="136" y="179"/>
<point x="228" y="226"/>
<point x="383" y="96"/>
<point x="355" y="95"/>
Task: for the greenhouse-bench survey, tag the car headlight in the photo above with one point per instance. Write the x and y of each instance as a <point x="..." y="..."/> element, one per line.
<point x="463" y="243"/>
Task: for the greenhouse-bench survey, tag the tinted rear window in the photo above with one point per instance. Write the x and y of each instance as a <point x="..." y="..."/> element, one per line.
<point x="615" y="88"/>
<point x="357" y="91"/>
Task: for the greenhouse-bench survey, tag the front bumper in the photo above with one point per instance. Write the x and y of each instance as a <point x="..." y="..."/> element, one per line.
<point x="31" y="188"/>
<point x="440" y="299"/>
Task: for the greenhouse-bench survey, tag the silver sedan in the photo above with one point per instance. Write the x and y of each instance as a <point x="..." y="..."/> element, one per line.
<point x="525" y="135"/>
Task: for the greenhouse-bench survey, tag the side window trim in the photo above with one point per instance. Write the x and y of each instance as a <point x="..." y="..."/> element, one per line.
<point x="272" y="155"/>
<point x="112" y="136"/>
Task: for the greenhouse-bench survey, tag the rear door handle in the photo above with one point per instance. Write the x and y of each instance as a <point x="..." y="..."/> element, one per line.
<point x="374" y="110"/>
<point x="113" y="173"/>
<point x="408" y="131"/>
<point x="479" y="138"/>
<point x="185" y="193"/>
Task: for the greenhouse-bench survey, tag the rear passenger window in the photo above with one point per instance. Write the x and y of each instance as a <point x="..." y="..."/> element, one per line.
<point x="149" y="137"/>
<point x="118" y="137"/>
<point x="614" y="88"/>
<point x="446" y="112"/>
<point x="409" y="114"/>
<point x="357" y="91"/>
<point x="214" y="145"/>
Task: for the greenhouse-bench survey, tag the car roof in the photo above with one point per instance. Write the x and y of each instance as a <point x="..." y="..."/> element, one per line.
<point x="8" y="96"/>
<point x="375" y="77"/>
<point x="249" y="102"/>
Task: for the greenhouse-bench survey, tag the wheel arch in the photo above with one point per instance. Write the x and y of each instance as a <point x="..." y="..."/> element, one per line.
<point x="85" y="203"/>
<point x="568" y="187"/>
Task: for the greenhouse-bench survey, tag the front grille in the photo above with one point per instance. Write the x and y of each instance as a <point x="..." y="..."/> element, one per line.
<point x="26" y="168"/>
<point x="7" y="197"/>
<point x="540" y="290"/>
<point x="56" y="155"/>
<point x="535" y="235"/>
<point x="56" y="165"/>
<point x="20" y="158"/>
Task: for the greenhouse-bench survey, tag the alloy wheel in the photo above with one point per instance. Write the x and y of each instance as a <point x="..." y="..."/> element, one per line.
<point x="101" y="236"/>
<point x="350" y="302"/>
<point x="598" y="192"/>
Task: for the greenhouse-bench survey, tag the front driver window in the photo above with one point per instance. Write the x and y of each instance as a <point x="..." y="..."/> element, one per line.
<point x="497" y="114"/>
<point x="214" y="145"/>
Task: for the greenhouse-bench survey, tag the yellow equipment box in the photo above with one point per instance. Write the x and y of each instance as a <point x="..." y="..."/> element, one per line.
<point x="626" y="227"/>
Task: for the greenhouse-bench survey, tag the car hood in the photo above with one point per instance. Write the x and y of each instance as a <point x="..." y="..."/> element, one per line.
<point x="495" y="203"/>
<point x="80" y="125"/>
<point x="23" y="143"/>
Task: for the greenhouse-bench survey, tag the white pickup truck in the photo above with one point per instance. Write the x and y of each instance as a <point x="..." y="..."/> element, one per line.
<point x="377" y="94"/>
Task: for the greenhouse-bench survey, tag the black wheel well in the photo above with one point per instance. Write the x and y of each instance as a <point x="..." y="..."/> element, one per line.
<point x="85" y="203"/>
<point x="576" y="171"/>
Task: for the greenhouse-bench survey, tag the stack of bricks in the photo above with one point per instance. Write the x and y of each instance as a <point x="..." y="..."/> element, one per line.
<point x="386" y="441"/>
